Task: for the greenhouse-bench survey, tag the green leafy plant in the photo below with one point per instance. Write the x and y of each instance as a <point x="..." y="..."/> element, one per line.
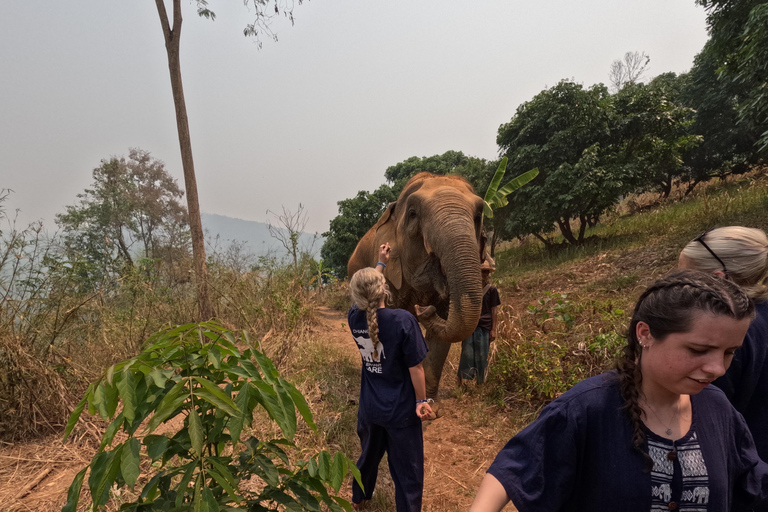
<point x="553" y="306"/>
<point x="198" y="372"/>
<point x="496" y="197"/>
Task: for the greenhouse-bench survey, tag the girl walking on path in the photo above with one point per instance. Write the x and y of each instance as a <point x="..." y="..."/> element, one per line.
<point x="651" y="435"/>
<point x="392" y="389"/>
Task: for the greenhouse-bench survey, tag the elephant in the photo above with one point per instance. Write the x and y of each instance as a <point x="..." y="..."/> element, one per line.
<point x="435" y="231"/>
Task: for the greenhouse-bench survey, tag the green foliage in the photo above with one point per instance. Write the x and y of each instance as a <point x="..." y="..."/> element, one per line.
<point x="197" y="373"/>
<point x="132" y="208"/>
<point x="553" y="306"/>
<point x="356" y="217"/>
<point x="739" y="46"/>
<point x="496" y="197"/>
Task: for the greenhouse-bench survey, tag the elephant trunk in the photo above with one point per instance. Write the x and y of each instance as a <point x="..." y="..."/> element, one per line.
<point x="461" y="263"/>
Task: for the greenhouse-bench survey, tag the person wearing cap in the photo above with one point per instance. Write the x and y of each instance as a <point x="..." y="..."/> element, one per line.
<point x="473" y="363"/>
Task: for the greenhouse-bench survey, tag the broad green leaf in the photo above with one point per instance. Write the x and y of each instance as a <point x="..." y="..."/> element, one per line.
<point x="73" y="494"/>
<point x="267" y="367"/>
<point x="213" y="394"/>
<point x="129" y="463"/>
<point x="516" y="184"/>
<point x="338" y="471"/>
<point x="109" y="433"/>
<point x="494" y="185"/>
<point x="126" y="388"/>
<point x="289" y="411"/>
<point x="285" y="500"/>
<point x="324" y="465"/>
<point x="150" y="490"/>
<point x="272" y="404"/>
<point x="312" y="468"/>
<point x="269" y="472"/>
<point x="195" y="432"/>
<point x="110" y="374"/>
<point x="307" y="501"/>
<point x="168" y="405"/>
<point x="211" y="505"/>
<point x="156" y="446"/>
<point x="244" y="416"/>
<point x="184" y="484"/>
<point x="224" y="482"/>
<point x="110" y="393"/>
<point x="300" y="403"/>
<point x="159" y="377"/>
<point x="104" y="470"/>
<point x="74" y="417"/>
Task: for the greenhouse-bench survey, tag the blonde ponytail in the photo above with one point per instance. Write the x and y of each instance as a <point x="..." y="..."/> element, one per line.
<point x="367" y="287"/>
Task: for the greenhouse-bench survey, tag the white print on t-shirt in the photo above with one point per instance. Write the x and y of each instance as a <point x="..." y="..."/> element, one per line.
<point x="694" y="495"/>
<point x="366" y="349"/>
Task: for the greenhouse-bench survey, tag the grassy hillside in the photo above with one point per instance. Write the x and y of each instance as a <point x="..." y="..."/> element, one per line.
<point x="565" y="312"/>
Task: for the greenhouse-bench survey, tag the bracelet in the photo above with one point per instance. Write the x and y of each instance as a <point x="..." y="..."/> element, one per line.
<point x="382" y="264"/>
<point x="421" y="401"/>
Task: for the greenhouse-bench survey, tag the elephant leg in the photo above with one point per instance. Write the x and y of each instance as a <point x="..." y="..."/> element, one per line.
<point x="433" y="365"/>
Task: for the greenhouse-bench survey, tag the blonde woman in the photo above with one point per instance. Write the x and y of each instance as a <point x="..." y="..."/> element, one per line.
<point x="740" y="254"/>
<point x="392" y="390"/>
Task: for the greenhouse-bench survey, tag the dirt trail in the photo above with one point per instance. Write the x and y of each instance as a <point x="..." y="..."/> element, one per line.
<point x="458" y="448"/>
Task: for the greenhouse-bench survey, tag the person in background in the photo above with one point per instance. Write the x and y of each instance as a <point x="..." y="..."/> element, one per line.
<point x="392" y="389"/>
<point x="652" y="434"/>
<point x="474" y="350"/>
<point x="741" y="254"/>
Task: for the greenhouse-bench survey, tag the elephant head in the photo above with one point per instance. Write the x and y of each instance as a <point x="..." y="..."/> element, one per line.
<point x="435" y="231"/>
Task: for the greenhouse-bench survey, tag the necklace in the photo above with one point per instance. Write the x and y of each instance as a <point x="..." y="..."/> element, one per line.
<point x="668" y="430"/>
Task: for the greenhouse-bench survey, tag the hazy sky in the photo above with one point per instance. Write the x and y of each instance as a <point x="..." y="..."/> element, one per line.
<point x="354" y="87"/>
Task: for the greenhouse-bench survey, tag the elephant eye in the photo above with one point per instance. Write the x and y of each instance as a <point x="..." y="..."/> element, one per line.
<point x="411" y="213"/>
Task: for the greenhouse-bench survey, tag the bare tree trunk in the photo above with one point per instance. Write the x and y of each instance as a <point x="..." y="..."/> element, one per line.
<point x="172" y="37"/>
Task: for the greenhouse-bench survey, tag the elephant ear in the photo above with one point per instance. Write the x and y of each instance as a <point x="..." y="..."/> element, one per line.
<point x="386" y="231"/>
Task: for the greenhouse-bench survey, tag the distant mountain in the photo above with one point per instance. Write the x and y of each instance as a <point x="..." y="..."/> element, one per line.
<point x="255" y="236"/>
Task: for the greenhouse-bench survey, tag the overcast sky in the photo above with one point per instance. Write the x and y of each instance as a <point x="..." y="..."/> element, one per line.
<point x="353" y="87"/>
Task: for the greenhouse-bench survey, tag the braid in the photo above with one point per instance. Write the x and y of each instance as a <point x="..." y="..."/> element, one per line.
<point x="367" y="287"/>
<point x="630" y="382"/>
<point x="373" y="326"/>
<point x="669" y="306"/>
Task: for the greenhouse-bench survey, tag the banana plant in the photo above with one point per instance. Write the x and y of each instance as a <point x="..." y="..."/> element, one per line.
<point x="496" y="197"/>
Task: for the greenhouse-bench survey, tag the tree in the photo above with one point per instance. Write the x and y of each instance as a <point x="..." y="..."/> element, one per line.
<point x="356" y="216"/>
<point x="263" y="10"/>
<point x="739" y="46"/>
<point x="288" y="229"/>
<point x="133" y="206"/>
<point x="565" y="132"/>
<point x="630" y="70"/>
<point x="652" y="132"/>
<point x="727" y="145"/>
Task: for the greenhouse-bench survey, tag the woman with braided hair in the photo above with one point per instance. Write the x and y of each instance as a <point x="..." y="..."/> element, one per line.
<point x="651" y="435"/>
<point x="740" y="254"/>
<point x="392" y="390"/>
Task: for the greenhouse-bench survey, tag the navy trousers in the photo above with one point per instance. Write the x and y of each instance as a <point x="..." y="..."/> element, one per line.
<point x="405" y="454"/>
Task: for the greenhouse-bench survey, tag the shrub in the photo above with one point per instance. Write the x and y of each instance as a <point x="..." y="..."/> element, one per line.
<point x="197" y="371"/>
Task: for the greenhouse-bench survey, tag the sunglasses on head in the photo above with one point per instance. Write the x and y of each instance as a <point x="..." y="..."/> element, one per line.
<point x="700" y="239"/>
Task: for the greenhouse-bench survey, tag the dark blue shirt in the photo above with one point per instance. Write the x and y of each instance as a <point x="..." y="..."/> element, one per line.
<point x="746" y="381"/>
<point x="387" y="397"/>
<point x="578" y="455"/>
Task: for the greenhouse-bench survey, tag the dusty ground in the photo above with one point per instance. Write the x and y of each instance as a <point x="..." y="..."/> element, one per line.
<point x="459" y="446"/>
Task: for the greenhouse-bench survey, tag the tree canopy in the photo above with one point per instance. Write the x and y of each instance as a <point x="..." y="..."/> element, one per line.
<point x="132" y="209"/>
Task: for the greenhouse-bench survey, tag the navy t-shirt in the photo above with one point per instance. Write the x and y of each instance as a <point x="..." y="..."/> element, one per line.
<point x="491" y="299"/>
<point x="387" y="397"/>
<point x="746" y="381"/>
<point x="578" y="455"/>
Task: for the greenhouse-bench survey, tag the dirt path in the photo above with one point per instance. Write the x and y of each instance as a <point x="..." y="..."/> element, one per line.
<point x="458" y="447"/>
